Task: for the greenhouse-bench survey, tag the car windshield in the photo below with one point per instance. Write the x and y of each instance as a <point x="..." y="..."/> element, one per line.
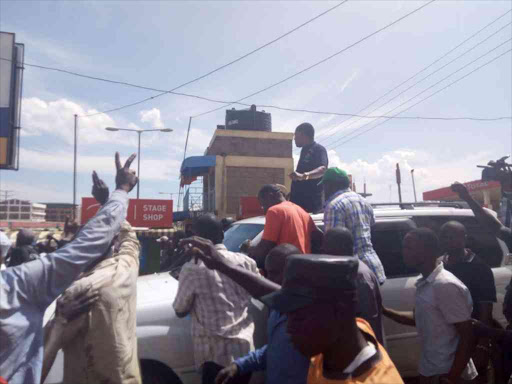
<point x="238" y="233"/>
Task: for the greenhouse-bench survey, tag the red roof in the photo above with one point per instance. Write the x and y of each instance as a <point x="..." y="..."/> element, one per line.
<point x="472" y="186"/>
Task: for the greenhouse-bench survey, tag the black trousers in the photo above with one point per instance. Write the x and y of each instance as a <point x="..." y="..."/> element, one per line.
<point x="211" y="369"/>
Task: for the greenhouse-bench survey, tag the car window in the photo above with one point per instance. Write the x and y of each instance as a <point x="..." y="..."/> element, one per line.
<point x="387" y="242"/>
<point x="238" y="233"/>
<point x="479" y="240"/>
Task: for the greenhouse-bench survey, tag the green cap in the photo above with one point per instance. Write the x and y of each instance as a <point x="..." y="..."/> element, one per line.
<point x="334" y="174"/>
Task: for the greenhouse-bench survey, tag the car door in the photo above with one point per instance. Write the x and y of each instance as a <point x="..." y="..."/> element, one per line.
<point x="402" y="342"/>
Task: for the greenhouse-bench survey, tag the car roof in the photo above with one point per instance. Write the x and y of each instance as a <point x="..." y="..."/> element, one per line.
<point x="383" y="213"/>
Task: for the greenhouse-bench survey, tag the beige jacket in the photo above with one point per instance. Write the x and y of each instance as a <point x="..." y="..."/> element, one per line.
<point x="105" y="349"/>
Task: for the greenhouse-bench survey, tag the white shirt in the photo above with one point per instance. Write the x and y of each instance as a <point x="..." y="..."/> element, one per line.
<point x="442" y="300"/>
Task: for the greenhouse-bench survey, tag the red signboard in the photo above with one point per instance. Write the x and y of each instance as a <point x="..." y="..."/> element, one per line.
<point x="141" y="213"/>
<point x="472" y="186"/>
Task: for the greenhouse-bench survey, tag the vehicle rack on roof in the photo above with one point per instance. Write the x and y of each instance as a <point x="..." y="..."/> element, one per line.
<point x="440" y="204"/>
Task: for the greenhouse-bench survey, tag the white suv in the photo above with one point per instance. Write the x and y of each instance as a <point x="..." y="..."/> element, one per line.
<point x="165" y="344"/>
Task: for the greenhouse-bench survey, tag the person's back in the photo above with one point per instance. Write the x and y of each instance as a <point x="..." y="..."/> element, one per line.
<point x="287" y="223"/>
<point x="339" y="242"/>
<point x="222" y="328"/>
<point x="105" y="349"/>
<point x="350" y="210"/>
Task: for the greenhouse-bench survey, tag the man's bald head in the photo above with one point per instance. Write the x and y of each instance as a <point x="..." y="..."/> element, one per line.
<point x="25" y="237"/>
<point x="275" y="261"/>
<point x="452" y="236"/>
<point x="338" y="241"/>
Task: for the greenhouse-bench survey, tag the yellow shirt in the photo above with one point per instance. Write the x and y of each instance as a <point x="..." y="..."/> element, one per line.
<point x="383" y="370"/>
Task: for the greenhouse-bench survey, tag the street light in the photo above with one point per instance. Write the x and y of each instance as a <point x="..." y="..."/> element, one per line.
<point x="166" y="193"/>
<point x="139" y="132"/>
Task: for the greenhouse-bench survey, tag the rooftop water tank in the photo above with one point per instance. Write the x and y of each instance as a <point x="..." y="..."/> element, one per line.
<point x="248" y="120"/>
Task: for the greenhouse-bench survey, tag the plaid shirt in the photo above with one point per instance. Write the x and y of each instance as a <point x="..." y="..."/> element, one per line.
<point x="348" y="209"/>
<point x="222" y="329"/>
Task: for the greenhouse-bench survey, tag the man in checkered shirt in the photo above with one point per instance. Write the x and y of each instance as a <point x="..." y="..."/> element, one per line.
<point x="222" y="329"/>
<point x="345" y="208"/>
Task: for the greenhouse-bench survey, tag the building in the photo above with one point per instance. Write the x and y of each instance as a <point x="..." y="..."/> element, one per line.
<point x="22" y="210"/>
<point x="58" y="212"/>
<point x="238" y="162"/>
<point x="487" y="193"/>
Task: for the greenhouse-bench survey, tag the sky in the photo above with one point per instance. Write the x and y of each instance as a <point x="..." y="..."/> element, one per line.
<point x="162" y="44"/>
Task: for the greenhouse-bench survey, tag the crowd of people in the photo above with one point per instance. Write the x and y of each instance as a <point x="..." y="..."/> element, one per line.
<point x="322" y="289"/>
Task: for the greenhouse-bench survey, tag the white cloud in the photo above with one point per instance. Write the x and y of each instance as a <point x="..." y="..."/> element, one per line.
<point x="430" y="173"/>
<point x="153" y="117"/>
<point x="41" y="118"/>
<point x="60" y="161"/>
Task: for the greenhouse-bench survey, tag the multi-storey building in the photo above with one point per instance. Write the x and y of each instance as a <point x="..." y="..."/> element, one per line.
<point x="22" y="210"/>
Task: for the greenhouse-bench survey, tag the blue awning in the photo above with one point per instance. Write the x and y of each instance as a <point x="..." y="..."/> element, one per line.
<point x="197" y="165"/>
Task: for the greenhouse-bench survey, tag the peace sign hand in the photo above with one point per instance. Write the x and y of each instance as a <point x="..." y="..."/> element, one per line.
<point x="126" y="179"/>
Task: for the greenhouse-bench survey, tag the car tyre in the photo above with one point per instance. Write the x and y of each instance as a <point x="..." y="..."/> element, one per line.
<point x="154" y="372"/>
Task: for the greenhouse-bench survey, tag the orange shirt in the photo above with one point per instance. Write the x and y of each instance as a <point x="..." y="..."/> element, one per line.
<point x="383" y="372"/>
<point x="287" y="223"/>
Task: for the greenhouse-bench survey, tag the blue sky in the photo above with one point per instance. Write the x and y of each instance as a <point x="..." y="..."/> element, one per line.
<point x="163" y="44"/>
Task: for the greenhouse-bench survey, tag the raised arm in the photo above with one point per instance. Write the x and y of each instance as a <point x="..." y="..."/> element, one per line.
<point x="256" y="285"/>
<point x="47" y="277"/>
<point x="484" y="217"/>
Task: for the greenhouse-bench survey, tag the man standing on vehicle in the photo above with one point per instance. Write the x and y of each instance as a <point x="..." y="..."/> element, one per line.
<point x="339" y="242"/>
<point x="442" y="313"/>
<point x="478" y="277"/>
<point x="285" y="223"/>
<point x="222" y="328"/>
<point x="345" y="208"/>
<point x="312" y="165"/>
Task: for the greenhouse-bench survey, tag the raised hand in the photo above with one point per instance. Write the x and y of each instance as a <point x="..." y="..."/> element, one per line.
<point x="461" y="190"/>
<point x="70" y="229"/>
<point x="126" y="179"/>
<point x="100" y="190"/>
<point x="205" y="250"/>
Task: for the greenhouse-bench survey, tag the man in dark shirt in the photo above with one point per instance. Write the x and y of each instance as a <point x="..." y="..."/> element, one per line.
<point x="478" y="277"/>
<point x="313" y="163"/>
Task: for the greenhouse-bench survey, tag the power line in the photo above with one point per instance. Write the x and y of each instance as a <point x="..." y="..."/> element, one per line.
<point x="428" y="97"/>
<point x="426" y="89"/>
<point x="225" y="65"/>
<point x="270" y="106"/>
<point x="323" y="60"/>
<point x="417" y="73"/>
<point x="422" y="79"/>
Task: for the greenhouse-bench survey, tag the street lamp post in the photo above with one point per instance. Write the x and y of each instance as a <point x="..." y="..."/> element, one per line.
<point x="139" y="132"/>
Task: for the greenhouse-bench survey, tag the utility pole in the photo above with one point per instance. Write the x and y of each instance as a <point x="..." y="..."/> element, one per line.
<point x="6" y="194"/>
<point x="413" y="186"/>
<point x="398" y="182"/>
<point x="184" y="155"/>
<point x="74" y="170"/>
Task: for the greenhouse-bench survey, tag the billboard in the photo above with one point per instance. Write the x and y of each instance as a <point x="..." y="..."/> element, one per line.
<point x="12" y="57"/>
<point x="141" y="212"/>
